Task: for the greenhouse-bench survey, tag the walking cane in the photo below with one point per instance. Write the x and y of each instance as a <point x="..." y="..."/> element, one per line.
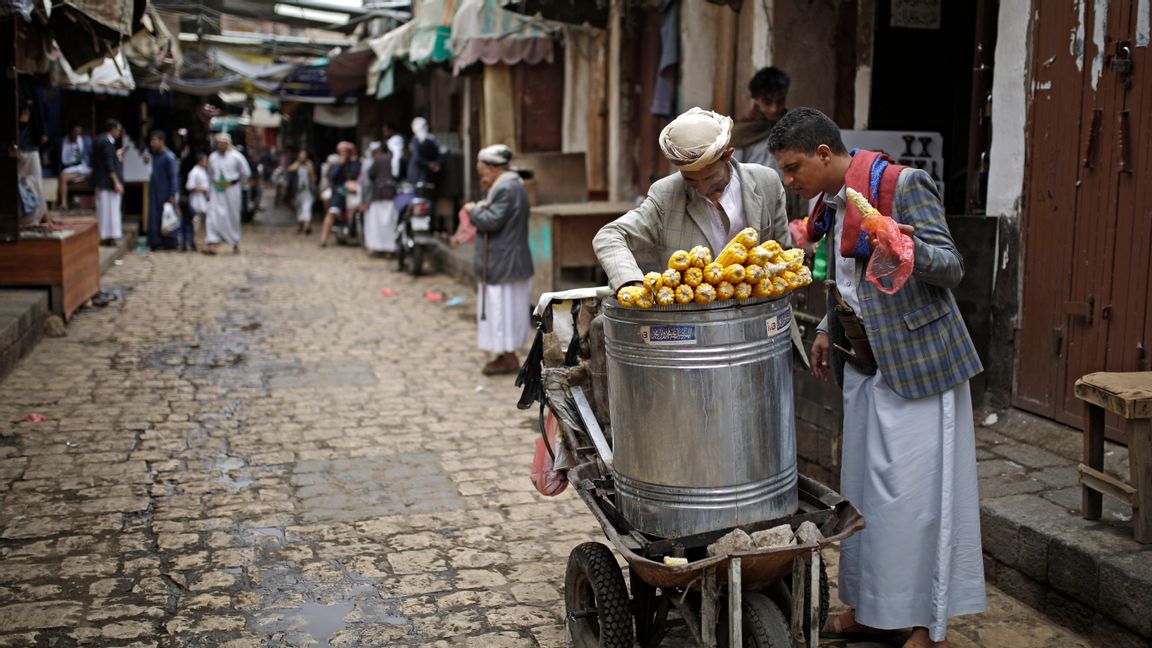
<point x="484" y="281"/>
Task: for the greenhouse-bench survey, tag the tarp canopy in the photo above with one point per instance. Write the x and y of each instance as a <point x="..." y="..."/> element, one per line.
<point x="348" y="71"/>
<point x="113" y="76"/>
<point x="575" y="12"/>
<point x="432" y="27"/>
<point x="484" y="32"/>
<point x="388" y="49"/>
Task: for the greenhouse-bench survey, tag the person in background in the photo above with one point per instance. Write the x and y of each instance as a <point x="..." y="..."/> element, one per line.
<point x="342" y="177"/>
<point x="163" y="189"/>
<point x="909" y="452"/>
<point x="379" y="192"/>
<point x="198" y="188"/>
<point x="769" y="91"/>
<point x="423" y="154"/>
<point x="108" y="180"/>
<point x="503" y="261"/>
<point x="29" y="171"/>
<point x="75" y="161"/>
<point x="303" y="174"/>
<point x="227" y="171"/>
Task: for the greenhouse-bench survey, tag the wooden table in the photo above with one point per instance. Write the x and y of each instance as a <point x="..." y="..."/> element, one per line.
<point x="68" y="267"/>
<point x="1128" y="395"/>
<point x="560" y="237"/>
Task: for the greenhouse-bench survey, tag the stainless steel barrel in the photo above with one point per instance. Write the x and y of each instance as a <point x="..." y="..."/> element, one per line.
<point x="703" y="425"/>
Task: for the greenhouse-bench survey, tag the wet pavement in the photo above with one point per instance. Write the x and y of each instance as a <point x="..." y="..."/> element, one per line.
<point x="264" y="450"/>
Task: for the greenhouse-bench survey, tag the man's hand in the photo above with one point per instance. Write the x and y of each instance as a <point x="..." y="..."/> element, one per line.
<point x="820" y="356"/>
<point x="119" y="188"/>
<point x="904" y="229"/>
<point x="469" y="206"/>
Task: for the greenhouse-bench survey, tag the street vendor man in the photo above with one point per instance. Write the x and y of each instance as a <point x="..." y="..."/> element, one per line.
<point x="707" y="201"/>
<point x="909" y="454"/>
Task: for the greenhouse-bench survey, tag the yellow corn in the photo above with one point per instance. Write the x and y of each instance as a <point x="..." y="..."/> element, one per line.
<point x="772" y="247"/>
<point x="861" y="203"/>
<point x="779" y="286"/>
<point x="734" y="273"/>
<point x="753" y="273"/>
<point x="793" y="258"/>
<point x="679" y="260"/>
<point x="684" y="294"/>
<point x="788" y="276"/>
<point x="671" y="278"/>
<point x="748" y="237"/>
<point x="705" y="294"/>
<point x="733" y="253"/>
<point x="629" y="295"/>
<point x="645" y="300"/>
<point x="699" y="256"/>
<point x="666" y="296"/>
<point x="713" y="273"/>
<point x="760" y="255"/>
<point x="724" y="291"/>
<point x="743" y="290"/>
<point x="803" y="277"/>
<point x="763" y="288"/>
<point x="653" y="281"/>
<point x="693" y="276"/>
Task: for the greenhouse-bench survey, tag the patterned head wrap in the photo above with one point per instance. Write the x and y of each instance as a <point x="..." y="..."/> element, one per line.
<point x="495" y="155"/>
<point x="696" y="139"/>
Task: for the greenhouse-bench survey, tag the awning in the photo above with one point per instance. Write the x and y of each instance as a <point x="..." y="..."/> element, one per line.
<point x="432" y="28"/>
<point x="110" y="77"/>
<point x="253" y="66"/>
<point x="388" y="49"/>
<point x="113" y="14"/>
<point x="307" y="84"/>
<point x="483" y="31"/>
<point x="574" y="12"/>
<point x="349" y="70"/>
<point x="337" y="116"/>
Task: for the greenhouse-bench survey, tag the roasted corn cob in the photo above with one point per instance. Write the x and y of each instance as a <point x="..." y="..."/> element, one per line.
<point x="733" y="253"/>
<point x="743" y="290"/>
<point x="725" y="290"/>
<point x="793" y="258"/>
<point x="684" y="294"/>
<point x="699" y="256"/>
<point x="671" y="278"/>
<point x="679" y="260"/>
<point x="734" y="273"/>
<point x="748" y="237"/>
<point x="753" y="273"/>
<point x="693" y="276"/>
<point x="653" y="281"/>
<point x="705" y="294"/>
<point x="713" y="273"/>
<point x="628" y="295"/>
<point x="759" y="255"/>
<point x="666" y="296"/>
<point x="645" y="300"/>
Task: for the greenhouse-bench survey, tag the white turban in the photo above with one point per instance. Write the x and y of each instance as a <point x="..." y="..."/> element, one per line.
<point x="224" y="137"/>
<point x="696" y="139"/>
<point x="420" y="129"/>
<point x="495" y="155"/>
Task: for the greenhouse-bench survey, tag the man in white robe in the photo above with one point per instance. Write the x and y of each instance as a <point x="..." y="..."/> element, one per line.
<point x="228" y="171"/>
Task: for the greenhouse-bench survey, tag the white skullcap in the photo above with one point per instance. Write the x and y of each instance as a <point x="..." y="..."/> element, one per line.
<point x="225" y="137"/>
<point x="420" y="129"/>
<point x="496" y="155"/>
<point x="696" y="139"/>
<point x="373" y="147"/>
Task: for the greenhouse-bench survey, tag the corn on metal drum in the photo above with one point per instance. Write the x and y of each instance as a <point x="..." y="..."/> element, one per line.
<point x="703" y="423"/>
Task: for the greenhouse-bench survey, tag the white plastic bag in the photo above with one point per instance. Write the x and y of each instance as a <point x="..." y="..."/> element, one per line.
<point x="169" y="219"/>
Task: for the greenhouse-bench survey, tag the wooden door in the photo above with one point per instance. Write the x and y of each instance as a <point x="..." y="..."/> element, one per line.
<point x="1085" y="227"/>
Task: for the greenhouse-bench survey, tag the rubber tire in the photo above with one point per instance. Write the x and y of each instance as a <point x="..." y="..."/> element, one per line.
<point x="593" y="580"/>
<point x="417" y="261"/>
<point x="765" y="626"/>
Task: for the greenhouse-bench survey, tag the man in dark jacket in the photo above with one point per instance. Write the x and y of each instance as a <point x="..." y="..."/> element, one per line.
<point x="108" y="179"/>
<point x="163" y="189"/>
<point x="503" y="260"/>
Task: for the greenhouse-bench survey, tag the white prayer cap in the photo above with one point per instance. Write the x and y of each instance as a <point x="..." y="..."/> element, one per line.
<point x="373" y="147"/>
<point x="696" y="139"/>
<point x="420" y="128"/>
<point x="224" y="137"/>
<point x="495" y="155"/>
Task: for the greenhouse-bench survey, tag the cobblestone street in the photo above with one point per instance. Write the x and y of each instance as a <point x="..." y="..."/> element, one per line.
<point x="264" y="450"/>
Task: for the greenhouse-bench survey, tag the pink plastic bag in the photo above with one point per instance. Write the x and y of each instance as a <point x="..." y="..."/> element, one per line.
<point x="547" y="480"/>
<point x="799" y="229"/>
<point x="466" y="231"/>
<point x="892" y="260"/>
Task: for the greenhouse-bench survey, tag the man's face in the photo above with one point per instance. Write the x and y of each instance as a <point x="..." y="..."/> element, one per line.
<point x="808" y="173"/>
<point x="771" y="107"/>
<point x="157" y="144"/>
<point x="711" y="180"/>
<point x="221" y="145"/>
<point x="74" y="134"/>
<point x="203" y="162"/>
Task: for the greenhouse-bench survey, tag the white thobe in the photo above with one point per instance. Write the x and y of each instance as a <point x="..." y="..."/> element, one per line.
<point x="507" y="323"/>
<point x="72" y="158"/>
<point x="223" y="221"/>
<point x="198" y="179"/>
<point x="380" y="226"/>
<point x="910" y="467"/>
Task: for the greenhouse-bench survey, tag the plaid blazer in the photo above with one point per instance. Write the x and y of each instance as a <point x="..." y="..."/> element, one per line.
<point x="674" y="217"/>
<point x="918" y="337"/>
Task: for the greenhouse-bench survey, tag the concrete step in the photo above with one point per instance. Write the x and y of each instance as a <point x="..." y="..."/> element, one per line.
<point x="22" y="315"/>
<point x="1088" y="575"/>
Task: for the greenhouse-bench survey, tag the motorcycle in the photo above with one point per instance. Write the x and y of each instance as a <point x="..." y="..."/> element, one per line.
<point x="414" y="229"/>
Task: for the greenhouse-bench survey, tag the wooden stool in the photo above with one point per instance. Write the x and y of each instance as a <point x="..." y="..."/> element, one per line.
<point x="1130" y="396"/>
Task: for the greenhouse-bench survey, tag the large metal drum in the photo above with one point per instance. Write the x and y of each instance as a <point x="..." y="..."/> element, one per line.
<point x="703" y="427"/>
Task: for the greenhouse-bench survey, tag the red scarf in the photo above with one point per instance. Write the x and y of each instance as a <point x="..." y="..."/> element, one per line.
<point x="872" y="174"/>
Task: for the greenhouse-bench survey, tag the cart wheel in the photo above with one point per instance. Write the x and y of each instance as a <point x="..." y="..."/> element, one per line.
<point x="764" y="624"/>
<point x="596" y="599"/>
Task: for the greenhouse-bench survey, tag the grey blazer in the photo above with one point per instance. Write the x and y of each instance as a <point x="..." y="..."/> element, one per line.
<point x="674" y="217"/>
<point x="505" y="222"/>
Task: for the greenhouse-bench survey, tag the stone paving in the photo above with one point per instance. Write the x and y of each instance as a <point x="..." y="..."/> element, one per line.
<point x="263" y="450"/>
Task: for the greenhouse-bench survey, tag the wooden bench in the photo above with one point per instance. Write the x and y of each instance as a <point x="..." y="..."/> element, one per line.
<point x="1128" y="395"/>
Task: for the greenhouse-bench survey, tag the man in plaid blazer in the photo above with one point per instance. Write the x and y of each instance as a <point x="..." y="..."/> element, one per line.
<point x="707" y="201"/>
<point x="909" y="446"/>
